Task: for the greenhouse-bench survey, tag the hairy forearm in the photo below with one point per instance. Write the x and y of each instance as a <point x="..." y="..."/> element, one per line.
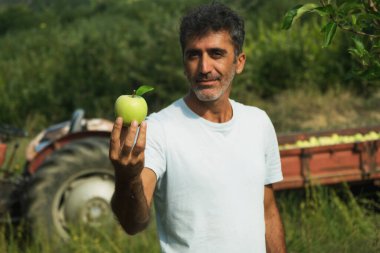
<point x="274" y="236"/>
<point x="130" y="206"/>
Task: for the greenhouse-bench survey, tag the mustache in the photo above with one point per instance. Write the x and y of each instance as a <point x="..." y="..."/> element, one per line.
<point x="207" y="77"/>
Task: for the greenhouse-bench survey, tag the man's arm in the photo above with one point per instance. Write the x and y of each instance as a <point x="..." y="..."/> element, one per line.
<point x="134" y="184"/>
<point x="274" y="230"/>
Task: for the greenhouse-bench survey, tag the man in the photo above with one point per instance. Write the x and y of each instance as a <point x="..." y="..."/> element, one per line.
<point x="208" y="161"/>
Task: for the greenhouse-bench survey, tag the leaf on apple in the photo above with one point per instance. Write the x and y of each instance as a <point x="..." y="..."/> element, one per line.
<point x="143" y="89"/>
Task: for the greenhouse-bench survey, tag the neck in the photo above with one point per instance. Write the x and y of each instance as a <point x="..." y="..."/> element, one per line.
<point x="218" y="111"/>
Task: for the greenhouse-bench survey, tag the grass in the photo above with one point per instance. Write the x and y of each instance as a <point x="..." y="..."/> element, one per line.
<point x="83" y="240"/>
<point x="319" y="219"/>
<point x="330" y="220"/>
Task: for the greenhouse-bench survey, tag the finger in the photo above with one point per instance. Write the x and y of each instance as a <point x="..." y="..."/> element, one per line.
<point x="123" y="135"/>
<point x="141" y="140"/>
<point x="129" y="139"/>
<point x="114" y="148"/>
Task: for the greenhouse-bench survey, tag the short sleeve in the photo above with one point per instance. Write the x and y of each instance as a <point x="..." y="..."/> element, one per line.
<point x="273" y="171"/>
<point x="155" y="158"/>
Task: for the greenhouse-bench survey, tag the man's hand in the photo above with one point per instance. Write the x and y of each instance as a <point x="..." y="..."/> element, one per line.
<point x="127" y="156"/>
<point x="132" y="182"/>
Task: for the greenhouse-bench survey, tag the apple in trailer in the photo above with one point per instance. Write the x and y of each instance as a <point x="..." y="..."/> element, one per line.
<point x="132" y="107"/>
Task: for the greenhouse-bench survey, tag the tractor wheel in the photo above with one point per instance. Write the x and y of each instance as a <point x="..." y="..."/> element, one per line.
<point x="72" y="187"/>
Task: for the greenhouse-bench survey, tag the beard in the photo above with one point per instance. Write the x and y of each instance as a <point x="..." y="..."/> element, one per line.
<point x="211" y="93"/>
<point x="204" y="94"/>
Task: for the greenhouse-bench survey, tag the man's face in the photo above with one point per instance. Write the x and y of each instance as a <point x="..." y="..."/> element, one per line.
<point x="211" y="64"/>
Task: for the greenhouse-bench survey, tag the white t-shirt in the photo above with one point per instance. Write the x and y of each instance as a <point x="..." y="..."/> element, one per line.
<point x="211" y="176"/>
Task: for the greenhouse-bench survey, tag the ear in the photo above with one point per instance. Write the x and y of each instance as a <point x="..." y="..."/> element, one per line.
<point x="240" y="62"/>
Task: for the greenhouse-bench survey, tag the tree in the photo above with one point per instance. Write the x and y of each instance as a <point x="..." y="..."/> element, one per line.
<point x="359" y="18"/>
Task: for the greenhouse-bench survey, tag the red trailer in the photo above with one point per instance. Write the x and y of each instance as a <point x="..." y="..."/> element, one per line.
<point x="345" y="159"/>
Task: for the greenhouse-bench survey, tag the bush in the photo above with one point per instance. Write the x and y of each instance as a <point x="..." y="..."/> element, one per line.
<point x="87" y="53"/>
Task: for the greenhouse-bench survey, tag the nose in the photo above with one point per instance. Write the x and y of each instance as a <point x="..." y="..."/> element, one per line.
<point x="205" y="65"/>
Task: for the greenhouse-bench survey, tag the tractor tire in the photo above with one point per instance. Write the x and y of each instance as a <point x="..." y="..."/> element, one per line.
<point x="72" y="187"/>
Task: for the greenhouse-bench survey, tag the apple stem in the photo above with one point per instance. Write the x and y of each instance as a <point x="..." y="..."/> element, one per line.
<point x="134" y="93"/>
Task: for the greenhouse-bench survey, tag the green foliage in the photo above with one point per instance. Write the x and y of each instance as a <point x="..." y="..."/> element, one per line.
<point x="59" y="55"/>
<point x="329" y="220"/>
<point x="16" y="18"/>
<point x="83" y="240"/>
<point x="279" y="61"/>
<point x="360" y="18"/>
<point x="296" y="12"/>
<point x="329" y="30"/>
<point x="89" y="62"/>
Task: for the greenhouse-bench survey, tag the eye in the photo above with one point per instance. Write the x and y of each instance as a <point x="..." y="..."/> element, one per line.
<point x="216" y="53"/>
<point x="191" y="54"/>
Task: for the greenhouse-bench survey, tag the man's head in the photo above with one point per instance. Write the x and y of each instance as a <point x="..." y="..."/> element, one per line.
<point x="212" y="38"/>
<point x="212" y="18"/>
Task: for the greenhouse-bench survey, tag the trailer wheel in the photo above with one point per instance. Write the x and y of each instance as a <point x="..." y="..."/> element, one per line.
<point x="72" y="187"/>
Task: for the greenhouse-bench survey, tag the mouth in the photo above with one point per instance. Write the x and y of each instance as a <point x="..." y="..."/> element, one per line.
<point x="207" y="82"/>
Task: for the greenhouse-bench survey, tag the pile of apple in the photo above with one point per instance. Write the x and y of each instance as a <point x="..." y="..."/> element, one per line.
<point x="332" y="140"/>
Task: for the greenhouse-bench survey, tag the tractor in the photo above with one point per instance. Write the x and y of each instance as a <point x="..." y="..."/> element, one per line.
<point x="67" y="177"/>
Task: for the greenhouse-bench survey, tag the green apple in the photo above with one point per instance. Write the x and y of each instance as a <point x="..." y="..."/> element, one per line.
<point x="132" y="107"/>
